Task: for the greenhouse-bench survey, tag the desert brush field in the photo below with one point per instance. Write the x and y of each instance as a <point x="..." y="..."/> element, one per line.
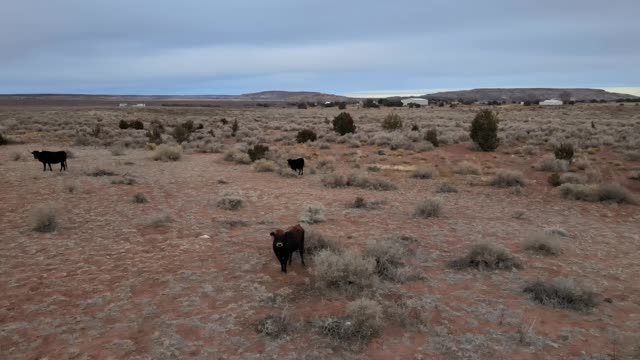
<point x="150" y="249"/>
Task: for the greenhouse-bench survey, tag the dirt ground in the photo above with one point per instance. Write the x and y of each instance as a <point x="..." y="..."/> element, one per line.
<point x="112" y="283"/>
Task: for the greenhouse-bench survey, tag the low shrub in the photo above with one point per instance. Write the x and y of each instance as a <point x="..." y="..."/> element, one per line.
<point x="484" y="130"/>
<point x="345" y="271"/>
<point x="507" y="178"/>
<point x="543" y="243"/>
<point x="424" y="173"/>
<point x="305" y="136"/>
<point x="167" y="153"/>
<point x="432" y="136"/>
<point x="140" y="198"/>
<point x="427" y="208"/>
<point x="273" y="326"/>
<point x="552" y="165"/>
<point x="564" y="151"/>
<point x="315" y="242"/>
<point x="446" y="188"/>
<point x="362" y="323"/>
<point x="388" y="256"/>
<point x="44" y="218"/>
<point x="257" y="152"/>
<point x="392" y="122"/>
<point x="264" y="165"/>
<point x="467" y="168"/>
<point x="313" y="214"/>
<point x="363" y="181"/>
<point x="487" y="257"/>
<point x="230" y="202"/>
<point x="610" y="193"/>
<point x="562" y="293"/>
<point x="237" y="157"/>
<point x="159" y="220"/>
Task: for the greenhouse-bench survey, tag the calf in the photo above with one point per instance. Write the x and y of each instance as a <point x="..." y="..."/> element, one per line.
<point x="51" y="157"/>
<point x="285" y="243"/>
<point x="297" y="165"/>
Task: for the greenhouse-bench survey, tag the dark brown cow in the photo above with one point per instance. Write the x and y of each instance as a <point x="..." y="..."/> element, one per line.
<point x="285" y="243"/>
<point x="51" y="157"/>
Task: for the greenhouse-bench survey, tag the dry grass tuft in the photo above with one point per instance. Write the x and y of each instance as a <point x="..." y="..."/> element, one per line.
<point x="467" y="168"/>
<point x="230" y="202"/>
<point x="363" y="181"/>
<point x="167" y="153"/>
<point x="273" y="326"/>
<point x="508" y="178"/>
<point x="430" y="207"/>
<point x="562" y="293"/>
<point x="388" y="257"/>
<point x="44" y="218"/>
<point x="345" y="271"/>
<point x="543" y="243"/>
<point x="315" y="242"/>
<point x="446" y="188"/>
<point x="313" y="214"/>
<point x="487" y="257"/>
<point x="140" y="198"/>
<point x="264" y="165"/>
<point x="609" y="193"/>
<point x="363" y="322"/>
<point x="424" y="173"/>
<point x="160" y="220"/>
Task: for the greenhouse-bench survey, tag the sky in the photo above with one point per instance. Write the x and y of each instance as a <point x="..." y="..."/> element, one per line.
<point x="348" y="47"/>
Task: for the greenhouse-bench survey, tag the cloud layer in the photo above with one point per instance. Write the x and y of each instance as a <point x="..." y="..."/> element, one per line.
<point x="205" y="47"/>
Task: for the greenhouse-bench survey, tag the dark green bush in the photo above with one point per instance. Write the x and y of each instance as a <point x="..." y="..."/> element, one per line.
<point x="306" y="135"/>
<point x="3" y="140"/>
<point x="343" y="124"/>
<point x="302" y="106"/>
<point x="415" y="128"/>
<point x="257" y="152"/>
<point x="155" y="135"/>
<point x="554" y="180"/>
<point x="123" y="125"/>
<point x="181" y="134"/>
<point x="432" y="137"/>
<point x="564" y="151"/>
<point x="369" y="103"/>
<point x="484" y="130"/>
<point x="342" y="105"/>
<point x="137" y="124"/>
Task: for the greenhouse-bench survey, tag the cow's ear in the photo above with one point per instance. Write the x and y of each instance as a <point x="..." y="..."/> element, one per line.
<point x="272" y="234"/>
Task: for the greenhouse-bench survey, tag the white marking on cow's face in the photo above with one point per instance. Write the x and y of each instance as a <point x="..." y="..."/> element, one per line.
<point x="279" y="244"/>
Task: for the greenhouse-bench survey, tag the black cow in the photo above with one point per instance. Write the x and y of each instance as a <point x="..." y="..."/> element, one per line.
<point x="285" y="243"/>
<point x="297" y="165"/>
<point x="51" y="157"/>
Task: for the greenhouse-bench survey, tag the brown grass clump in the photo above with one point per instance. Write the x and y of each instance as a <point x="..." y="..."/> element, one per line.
<point x="159" y="220"/>
<point x="553" y="165"/>
<point x="363" y="322"/>
<point x="467" y="168"/>
<point x="237" y="157"/>
<point x="229" y="202"/>
<point x="543" y="243"/>
<point x="609" y="193"/>
<point x="507" y="178"/>
<point x="430" y="207"/>
<point x="264" y="165"/>
<point x="313" y="214"/>
<point x="140" y="198"/>
<point x="167" y="153"/>
<point x="446" y="188"/>
<point x="363" y="181"/>
<point x="315" y="242"/>
<point x="424" y="173"/>
<point x="487" y="257"/>
<point x="388" y="256"/>
<point x="44" y="218"/>
<point x="345" y="271"/>
<point x="562" y="293"/>
<point x="273" y="326"/>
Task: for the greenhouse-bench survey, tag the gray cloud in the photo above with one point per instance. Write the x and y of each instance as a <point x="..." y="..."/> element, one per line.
<point x="336" y="46"/>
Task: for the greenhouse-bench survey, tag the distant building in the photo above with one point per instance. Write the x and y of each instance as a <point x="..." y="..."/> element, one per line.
<point x="420" y="101"/>
<point x="139" y="105"/>
<point x="551" y="102"/>
<point x="122" y="105"/>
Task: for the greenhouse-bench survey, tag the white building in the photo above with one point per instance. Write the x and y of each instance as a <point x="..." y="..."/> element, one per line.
<point x="122" y="105"/>
<point x="420" y="101"/>
<point x="552" y="102"/>
<point x="139" y="105"/>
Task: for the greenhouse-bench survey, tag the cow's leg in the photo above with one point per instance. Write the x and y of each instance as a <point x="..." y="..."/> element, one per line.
<point x="50" y="169"/>
<point x="290" y="258"/>
<point x="44" y="165"/>
<point x="302" y="250"/>
<point x="283" y="266"/>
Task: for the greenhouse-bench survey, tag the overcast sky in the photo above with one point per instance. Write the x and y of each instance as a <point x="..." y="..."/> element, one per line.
<point x="342" y="47"/>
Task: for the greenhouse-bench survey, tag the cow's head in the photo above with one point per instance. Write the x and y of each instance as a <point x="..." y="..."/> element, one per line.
<point x="278" y="238"/>
<point x="35" y="154"/>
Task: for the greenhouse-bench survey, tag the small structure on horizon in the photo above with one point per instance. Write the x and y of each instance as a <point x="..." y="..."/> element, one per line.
<point x="122" y="105"/>
<point x="552" y="102"/>
<point x="139" y="105"/>
<point x="420" y="101"/>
